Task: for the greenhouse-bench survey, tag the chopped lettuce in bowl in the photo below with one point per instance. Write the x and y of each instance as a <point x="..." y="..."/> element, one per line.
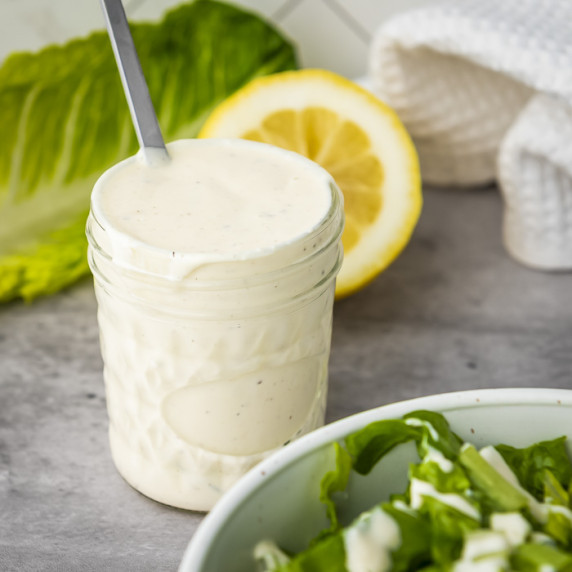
<point x="500" y="508"/>
<point x="434" y="493"/>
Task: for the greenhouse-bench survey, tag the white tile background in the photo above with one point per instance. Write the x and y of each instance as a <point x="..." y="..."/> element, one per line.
<point x="333" y="34"/>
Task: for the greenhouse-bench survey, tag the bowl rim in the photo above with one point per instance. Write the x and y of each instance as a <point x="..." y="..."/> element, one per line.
<point x="199" y="545"/>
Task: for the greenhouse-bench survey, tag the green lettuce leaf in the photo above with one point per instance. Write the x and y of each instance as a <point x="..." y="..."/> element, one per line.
<point x="56" y="261"/>
<point x="415" y="546"/>
<point x="529" y="464"/>
<point x="540" y="557"/>
<point x="559" y="527"/>
<point x="448" y="526"/>
<point x="429" y="430"/>
<point x="494" y="491"/>
<point x="370" y="444"/>
<point x="332" y="482"/>
<point x="554" y="492"/>
<point x="436" y="433"/>
<point x="328" y="555"/>
<point x="559" y="523"/>
<point x="454" y="481"/>
<point x="65" y="120"/>
<point x="447" y="529"/>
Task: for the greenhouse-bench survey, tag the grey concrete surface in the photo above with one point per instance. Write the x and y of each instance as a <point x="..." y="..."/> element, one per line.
<point x="454" y="312"/>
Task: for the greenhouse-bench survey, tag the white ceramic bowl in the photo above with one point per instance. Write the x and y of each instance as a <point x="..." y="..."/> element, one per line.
<point x="278" y="499"/>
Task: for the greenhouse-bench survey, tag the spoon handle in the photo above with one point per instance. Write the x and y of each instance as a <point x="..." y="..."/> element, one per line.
<point x="134" y="84"/>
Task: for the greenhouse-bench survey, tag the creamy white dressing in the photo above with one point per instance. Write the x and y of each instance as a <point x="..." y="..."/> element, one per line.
<point x="369" y="542"/>
<point x="267" y="552"/>
<point x="436" y="456"/>
<point x="488" y="550"/>
<point x="403" y="507"/>
<point x="215" y="353"/>
<point x="483" y="551"/>
<point x="481" y="543"/>
<point x="220" y="200"/>
<point x="415" y="422"/>
<point x="542" y="538"/>
<point x="420" y="489"/>
<point x="513" y="525"/>
<point x="492" y="564"/>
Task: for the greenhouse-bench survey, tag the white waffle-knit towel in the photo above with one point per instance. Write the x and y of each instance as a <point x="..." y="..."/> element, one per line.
<point x="485" y="89"/>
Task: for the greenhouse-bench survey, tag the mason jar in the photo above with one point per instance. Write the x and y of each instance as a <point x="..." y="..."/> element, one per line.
<point x="210" y="366"/>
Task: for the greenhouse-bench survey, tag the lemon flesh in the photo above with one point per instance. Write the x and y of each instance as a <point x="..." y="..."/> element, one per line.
<point x="356" y="138"/>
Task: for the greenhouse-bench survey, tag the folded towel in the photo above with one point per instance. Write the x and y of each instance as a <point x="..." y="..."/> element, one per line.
<point x="485" y="89"/>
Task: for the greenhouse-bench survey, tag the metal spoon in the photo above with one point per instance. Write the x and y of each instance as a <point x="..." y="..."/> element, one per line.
<point x="134" y="84"/>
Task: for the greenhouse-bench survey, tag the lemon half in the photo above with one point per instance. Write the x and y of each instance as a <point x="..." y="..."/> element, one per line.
<point x="358" y="139"/>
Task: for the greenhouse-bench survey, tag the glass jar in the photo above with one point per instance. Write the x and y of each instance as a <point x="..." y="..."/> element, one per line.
<point x="211" y="366"/>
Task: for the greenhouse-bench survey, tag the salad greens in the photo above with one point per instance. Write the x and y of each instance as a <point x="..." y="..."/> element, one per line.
<point x="498" y="509"/>
<point x="65" y="120"/>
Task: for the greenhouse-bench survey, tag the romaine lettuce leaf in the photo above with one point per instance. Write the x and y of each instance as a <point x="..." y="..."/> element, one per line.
<point x="436" y="435"/>
<point x="373" y="442"/>
<point x="529" y="463"/>
<point x="426" y="428"/>
<point x="540" y="557"/>
<point x="451" y="481"/>
<point x="414" y="548"/>
<point x="57" y="260"/>
<point x="495" y="492"/>
<point x="448" y="525"/>
<point x="328" y="555"/>
<point x="65" y="120"/>
<point x="332" y="482"/>
<point x="559" y="527"/>
<point x="559" y="522"/>
<point x="554" y="492"/>
<point x="447" y="529"/>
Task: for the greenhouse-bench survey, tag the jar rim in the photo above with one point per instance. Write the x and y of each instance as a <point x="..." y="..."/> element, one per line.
<point x="196" y="259"/>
